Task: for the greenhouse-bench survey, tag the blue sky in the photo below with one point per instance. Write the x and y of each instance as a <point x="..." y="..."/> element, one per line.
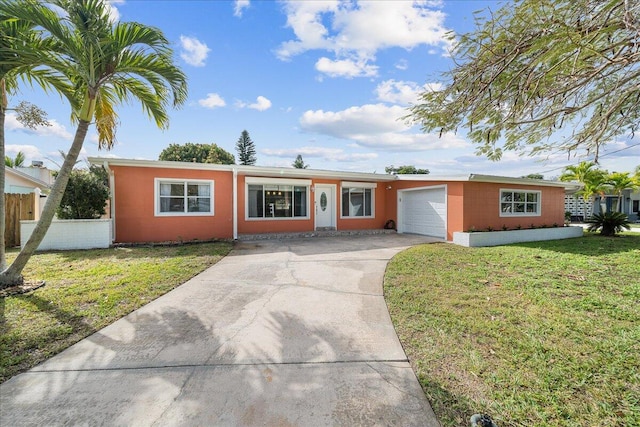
<point x="325" y="79"/>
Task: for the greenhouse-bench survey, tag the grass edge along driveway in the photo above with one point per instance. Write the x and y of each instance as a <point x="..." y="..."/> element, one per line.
<point x="541" y="333"/>
<point x="87" y="290"/>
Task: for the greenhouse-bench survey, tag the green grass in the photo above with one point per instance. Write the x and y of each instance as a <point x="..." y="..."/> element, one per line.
<point x="543" y="333"/>
<point x="87" y="290"/>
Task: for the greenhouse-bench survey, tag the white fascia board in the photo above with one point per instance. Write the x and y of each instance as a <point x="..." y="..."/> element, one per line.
<point x="270" y="172"/>
<point x="359" y="184"/>
<point x="276" y="181"/>
<point x="522" y="181"/>
<point x="160" y="164"/>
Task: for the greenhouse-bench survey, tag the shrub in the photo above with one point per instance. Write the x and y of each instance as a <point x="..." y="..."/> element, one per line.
<point x="609" y="223"/>
<point x="85" y="195"/>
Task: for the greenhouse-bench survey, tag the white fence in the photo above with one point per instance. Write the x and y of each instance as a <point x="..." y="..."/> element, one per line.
<point x="70" y="234"/>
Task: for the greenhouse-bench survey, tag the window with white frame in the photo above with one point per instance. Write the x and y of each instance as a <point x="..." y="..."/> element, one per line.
<point x="520" y="202"/>
<point x="273" y="198"/>
<point x="183" y="197"/>
<point x="358" y="200"/>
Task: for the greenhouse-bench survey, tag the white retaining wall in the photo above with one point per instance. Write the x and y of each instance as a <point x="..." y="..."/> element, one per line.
<point x="496" y="238"/>
<point x="70" y="234"/>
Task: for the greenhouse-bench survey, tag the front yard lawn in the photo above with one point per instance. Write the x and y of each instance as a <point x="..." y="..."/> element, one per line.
<point x="541" y="333"/>
<point x="87" y="290"/>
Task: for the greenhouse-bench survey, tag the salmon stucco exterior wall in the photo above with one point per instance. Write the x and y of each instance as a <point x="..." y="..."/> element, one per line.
<point x="135" y="218"/>
<point x="472" y="202"/>
<point x="482" y="207"/>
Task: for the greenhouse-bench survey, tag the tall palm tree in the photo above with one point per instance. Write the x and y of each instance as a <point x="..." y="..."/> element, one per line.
<point x="592" y="180"/>
<point x="618" y="182"/>
<point x="109" y="63"/>
<point x="22" y="54"/>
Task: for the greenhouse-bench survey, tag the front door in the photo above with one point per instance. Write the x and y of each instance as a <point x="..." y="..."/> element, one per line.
<point x="325" y="207"/>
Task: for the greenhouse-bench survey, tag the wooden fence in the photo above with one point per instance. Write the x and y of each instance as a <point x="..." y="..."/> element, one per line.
<point x="17" y="207"/>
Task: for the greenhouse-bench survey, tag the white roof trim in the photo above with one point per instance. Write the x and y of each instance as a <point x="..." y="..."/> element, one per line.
<point x="276" y="172"/>
<point x="35" y="181"/>
<point x="273" y="172"/>
<point x="353" y="184"/>
<point x="487" y="178"/>
<point x="276" y="181"/>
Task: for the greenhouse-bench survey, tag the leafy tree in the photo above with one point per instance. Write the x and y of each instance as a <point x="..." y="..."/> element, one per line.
<point x="220" y="156"/>
<point x="537" y="67"/>
<point x="198" y="153"/>
<point x="86" y="194"/>
<point x="246" y="149"/>
<point x="405" y="170"/>
<point x="299" y="163"/>
<point x="618" y="182"/>
<point x="108" y="63"/>
<point x="16" y="162"/>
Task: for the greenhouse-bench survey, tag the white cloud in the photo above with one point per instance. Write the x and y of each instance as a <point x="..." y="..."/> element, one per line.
<point x="261" y="104"/>
<point x="114" y="13"/>
<point x="240" y="5"/>
<point x="376" y="126"/>
<point x="31" y="152"/>
<point x="56" y="129"/>
<point x="212" y="100"/>
<point x="402" y="64"/>
<point x="346" y="68"/>
<point x="324" y="153"/>
<point x="402" y="92"/>
<point x="194" y="52"/>
<point x="356" y="30"/>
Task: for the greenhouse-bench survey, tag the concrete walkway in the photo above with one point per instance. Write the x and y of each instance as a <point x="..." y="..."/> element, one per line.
<point x="278" y="333"/>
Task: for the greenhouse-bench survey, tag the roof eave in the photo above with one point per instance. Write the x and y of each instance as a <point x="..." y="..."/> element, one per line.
<point x="245" y="170"/>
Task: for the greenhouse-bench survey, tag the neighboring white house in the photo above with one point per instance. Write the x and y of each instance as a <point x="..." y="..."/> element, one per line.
<point x="581" y="210"/>
<point x="19" y="182"/>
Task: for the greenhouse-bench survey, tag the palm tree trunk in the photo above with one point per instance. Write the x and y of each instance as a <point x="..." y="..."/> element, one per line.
<point x="3" y="212"/>
<point x="13" y="274"/>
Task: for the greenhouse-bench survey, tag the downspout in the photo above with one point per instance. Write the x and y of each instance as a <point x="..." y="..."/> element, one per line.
<point x="235" y="204"/>
<point x="112" y="205"/>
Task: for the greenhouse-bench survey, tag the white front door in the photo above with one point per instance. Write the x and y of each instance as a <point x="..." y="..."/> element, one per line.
<point x="325" y="206"/>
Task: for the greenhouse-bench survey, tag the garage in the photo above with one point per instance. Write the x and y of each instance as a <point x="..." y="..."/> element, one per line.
<point x="423" y="211"/>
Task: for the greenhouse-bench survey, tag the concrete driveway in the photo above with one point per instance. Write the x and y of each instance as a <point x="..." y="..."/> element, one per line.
<point x="278" y="333"/>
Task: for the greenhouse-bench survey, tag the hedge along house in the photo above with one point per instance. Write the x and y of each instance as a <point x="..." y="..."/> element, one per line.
<point x="156" y="201"/>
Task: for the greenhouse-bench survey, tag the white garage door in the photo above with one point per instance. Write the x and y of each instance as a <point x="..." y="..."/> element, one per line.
<point x="423" y="212"/>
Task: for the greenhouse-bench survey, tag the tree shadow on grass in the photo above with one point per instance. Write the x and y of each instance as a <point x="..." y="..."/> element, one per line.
<point x="25" y="358"/>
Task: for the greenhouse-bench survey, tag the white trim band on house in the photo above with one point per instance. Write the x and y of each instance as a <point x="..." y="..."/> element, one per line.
<point x="277" y="181"/>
